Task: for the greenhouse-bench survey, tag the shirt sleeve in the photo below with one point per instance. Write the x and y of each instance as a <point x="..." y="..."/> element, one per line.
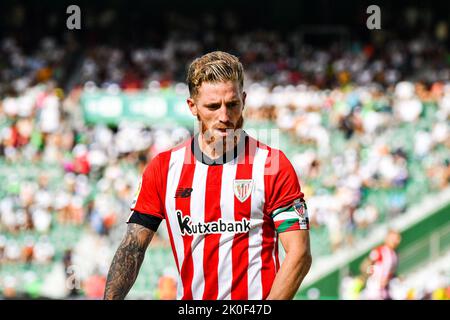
<point x="148" y="198"/>
<point x="286" y="204"/>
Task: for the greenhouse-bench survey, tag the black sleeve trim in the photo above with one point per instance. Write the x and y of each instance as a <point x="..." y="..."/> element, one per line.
<point x="146" y="220"/>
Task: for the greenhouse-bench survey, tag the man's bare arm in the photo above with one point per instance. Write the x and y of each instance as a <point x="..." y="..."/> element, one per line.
<point x="127" y="262"/>
<point x="295" y="266"/>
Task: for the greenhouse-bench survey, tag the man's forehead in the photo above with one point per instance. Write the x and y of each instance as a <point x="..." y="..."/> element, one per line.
<point x="216" y="91"/>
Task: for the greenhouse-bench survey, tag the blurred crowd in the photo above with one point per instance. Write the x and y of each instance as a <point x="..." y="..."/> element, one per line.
<point x="59" y="172"/>
<point x="359" y="119"/>
<point x="361" y="138"/>
<point x="67" y="174"/>
<point x="270" y="59"/>
<point x="430" y="282"/>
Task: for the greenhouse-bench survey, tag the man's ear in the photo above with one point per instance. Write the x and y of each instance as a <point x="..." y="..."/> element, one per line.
<point x="192" y="106"/>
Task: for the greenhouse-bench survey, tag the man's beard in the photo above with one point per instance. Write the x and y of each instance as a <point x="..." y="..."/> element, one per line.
<point x="226" y="143"/>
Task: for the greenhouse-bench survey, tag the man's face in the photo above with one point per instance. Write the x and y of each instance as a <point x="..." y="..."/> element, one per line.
<point x="218" y="107"/>
<point x="394" y="240"/>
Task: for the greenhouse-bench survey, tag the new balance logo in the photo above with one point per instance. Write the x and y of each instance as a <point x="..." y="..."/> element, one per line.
<point x="183" y="192"/>
<point x="187" y="227"/>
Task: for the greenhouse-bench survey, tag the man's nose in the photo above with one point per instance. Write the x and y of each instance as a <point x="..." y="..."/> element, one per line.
<point x="224" y="113"/>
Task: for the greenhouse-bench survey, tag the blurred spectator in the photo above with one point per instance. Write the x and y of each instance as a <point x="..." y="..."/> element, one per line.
<point x="382" y="268"/>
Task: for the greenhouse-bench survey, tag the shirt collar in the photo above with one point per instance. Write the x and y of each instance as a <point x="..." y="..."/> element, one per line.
<point x="226" y="157"/>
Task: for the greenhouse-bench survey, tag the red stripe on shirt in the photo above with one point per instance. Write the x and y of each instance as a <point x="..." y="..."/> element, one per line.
<point x="268" y="265"/>
<point x="211" y="246"/>
<point x="277" y="260"/>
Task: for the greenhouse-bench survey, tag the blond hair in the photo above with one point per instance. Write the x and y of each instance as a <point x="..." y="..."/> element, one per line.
<point x="215" y="66"/>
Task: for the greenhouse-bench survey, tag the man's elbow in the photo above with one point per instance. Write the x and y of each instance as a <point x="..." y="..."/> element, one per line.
<point x="304" y="259"/>
<point x="307" y="260"/>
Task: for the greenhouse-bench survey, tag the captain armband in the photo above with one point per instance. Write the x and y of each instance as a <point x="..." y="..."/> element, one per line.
<point x="291" y="217"/>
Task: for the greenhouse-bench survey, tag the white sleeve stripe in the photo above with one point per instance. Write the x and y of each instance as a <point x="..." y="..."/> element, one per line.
<point x="281" y="210"/>
<point x="286" y="215"/>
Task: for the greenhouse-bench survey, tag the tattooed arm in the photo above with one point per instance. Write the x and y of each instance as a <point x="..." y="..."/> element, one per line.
<point x="127" y="261"/>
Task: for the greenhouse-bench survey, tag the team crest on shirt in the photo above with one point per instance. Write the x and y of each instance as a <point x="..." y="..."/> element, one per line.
<point x="243" y="188"/>
<point x="302" y="210"/>
<point x="300" y="207"/>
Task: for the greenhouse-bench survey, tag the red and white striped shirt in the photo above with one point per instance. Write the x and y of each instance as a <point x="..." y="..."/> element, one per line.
<point x="223" y="219"/>
<point x="385" y="263"/>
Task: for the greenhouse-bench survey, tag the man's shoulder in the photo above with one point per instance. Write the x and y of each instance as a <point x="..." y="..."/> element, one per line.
<point x="165" y="155"/>
<point x="272" y="151"/>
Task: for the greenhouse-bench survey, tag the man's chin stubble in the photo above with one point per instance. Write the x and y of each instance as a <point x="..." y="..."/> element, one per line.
<point x="225" y="142"/>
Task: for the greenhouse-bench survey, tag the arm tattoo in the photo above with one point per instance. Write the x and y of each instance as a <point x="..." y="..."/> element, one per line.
<point x="127" y="262"/>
